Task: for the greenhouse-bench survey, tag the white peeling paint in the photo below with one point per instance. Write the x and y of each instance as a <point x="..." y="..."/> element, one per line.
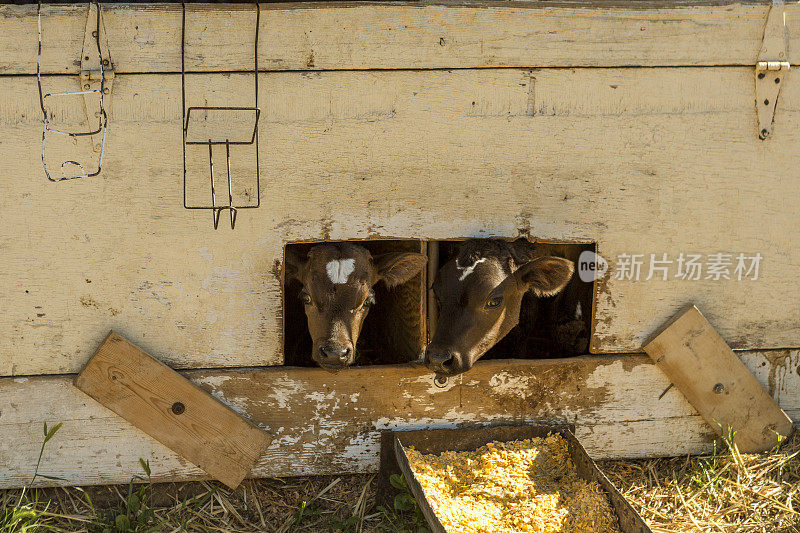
<point x="339" y="270"/>
<point x="237" y="404"/>
<point x="505" y="383"/>
<point x="283" y="392"/>
<point x="285" y="440"/>
<point x="214" y="381"/>
<point x="777" y="374"/>
<point x="451" y="418"/>
<point x="460" y="416"/>
<point x="20" y="380"/>
<point x="466" y="271"/>
<point x="205" y="253"/>
<point x="578" y="312"/>
<point x="362" y="452"/>
<point x="319" y="397"/>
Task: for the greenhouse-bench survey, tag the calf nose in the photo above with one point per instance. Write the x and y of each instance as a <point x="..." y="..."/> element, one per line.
<point x="334" y="353"/>
<point x="443" y="362"/>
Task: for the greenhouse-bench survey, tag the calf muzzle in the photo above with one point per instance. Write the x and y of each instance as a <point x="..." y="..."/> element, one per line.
<point x="444" y="362"/>
<point x="333" y="356"/>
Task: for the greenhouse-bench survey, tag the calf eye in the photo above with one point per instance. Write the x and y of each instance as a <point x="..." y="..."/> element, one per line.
<point x="494" y="302"/>
<point x="305" y="298"/>
<point x="369" y="302"/>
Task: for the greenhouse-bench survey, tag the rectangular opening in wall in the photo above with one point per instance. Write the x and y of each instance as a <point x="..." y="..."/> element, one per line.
<point x="557" y="326"/>
<point x="394" y="330"/>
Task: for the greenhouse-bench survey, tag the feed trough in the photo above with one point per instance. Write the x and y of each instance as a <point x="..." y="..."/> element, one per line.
<point x="436" y="441"/>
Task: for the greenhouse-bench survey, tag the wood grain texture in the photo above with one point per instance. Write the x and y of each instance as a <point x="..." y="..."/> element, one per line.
<point x="157" y="400"/>
<point x="696" y="359"/>
<point x="323" y="36"/>
<point x="622" y="157"/>
<point x="325" y="424"/>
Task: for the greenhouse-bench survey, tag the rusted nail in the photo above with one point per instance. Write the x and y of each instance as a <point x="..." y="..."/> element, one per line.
<point x="105" y="90"/>
<point x="440" y="381"/>
<point x="86" y="86"/>
<point x="94" y="33"/>
<point x="178" y="408"/>
<point x="718" y="388"/>
<point x="666" y="390"/>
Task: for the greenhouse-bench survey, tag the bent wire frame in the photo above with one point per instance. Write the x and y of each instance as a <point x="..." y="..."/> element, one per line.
<point x="215" y="208"/>
<point x="43" y="97"/>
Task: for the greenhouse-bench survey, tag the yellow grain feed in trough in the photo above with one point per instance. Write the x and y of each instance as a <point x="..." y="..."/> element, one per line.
<point x="519" y="486"/>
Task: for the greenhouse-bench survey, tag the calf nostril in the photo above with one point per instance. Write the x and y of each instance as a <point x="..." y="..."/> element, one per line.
<point x="329" y="352"/>
<point x="444" y="360"/>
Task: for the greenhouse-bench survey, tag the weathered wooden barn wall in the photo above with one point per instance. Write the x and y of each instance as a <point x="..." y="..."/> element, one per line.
<point x="641" y="161"/>
<point x="373" y="35"/>
<point x="411" y="121"/>
<point x="326" y="424"/>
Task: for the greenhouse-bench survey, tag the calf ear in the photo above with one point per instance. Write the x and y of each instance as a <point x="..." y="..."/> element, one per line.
<point x="292" y="265"/>
<point x="546" y="276"/>
<point x="397" y="268"/>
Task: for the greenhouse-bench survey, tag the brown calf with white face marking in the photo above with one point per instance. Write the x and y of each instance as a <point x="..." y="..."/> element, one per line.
<point x="479" y="294"/>
<point x="337" y="292"/>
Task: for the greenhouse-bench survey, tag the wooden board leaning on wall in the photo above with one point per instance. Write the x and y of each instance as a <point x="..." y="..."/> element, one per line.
<point x="661" y="160"/>
<point x="324" y="423"/>
<point x="330" y="36"/>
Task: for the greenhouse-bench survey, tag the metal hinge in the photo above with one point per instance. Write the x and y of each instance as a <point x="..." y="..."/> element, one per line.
<point x="97" y="70"/>
<point x="771" y="68"/>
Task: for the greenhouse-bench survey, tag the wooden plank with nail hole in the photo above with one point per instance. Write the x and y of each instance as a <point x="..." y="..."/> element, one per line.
<point x="704" y="368"/>
<point x="172" y="410"/>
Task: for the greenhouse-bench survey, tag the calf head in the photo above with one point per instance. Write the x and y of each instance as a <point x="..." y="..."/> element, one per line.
<point x="338" y="281"/>
<point x="479" y="294"/>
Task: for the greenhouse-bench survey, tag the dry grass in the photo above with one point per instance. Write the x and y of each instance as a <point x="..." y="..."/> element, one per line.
<point x="323" y="503"/>
<point x="724" y="492"/>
